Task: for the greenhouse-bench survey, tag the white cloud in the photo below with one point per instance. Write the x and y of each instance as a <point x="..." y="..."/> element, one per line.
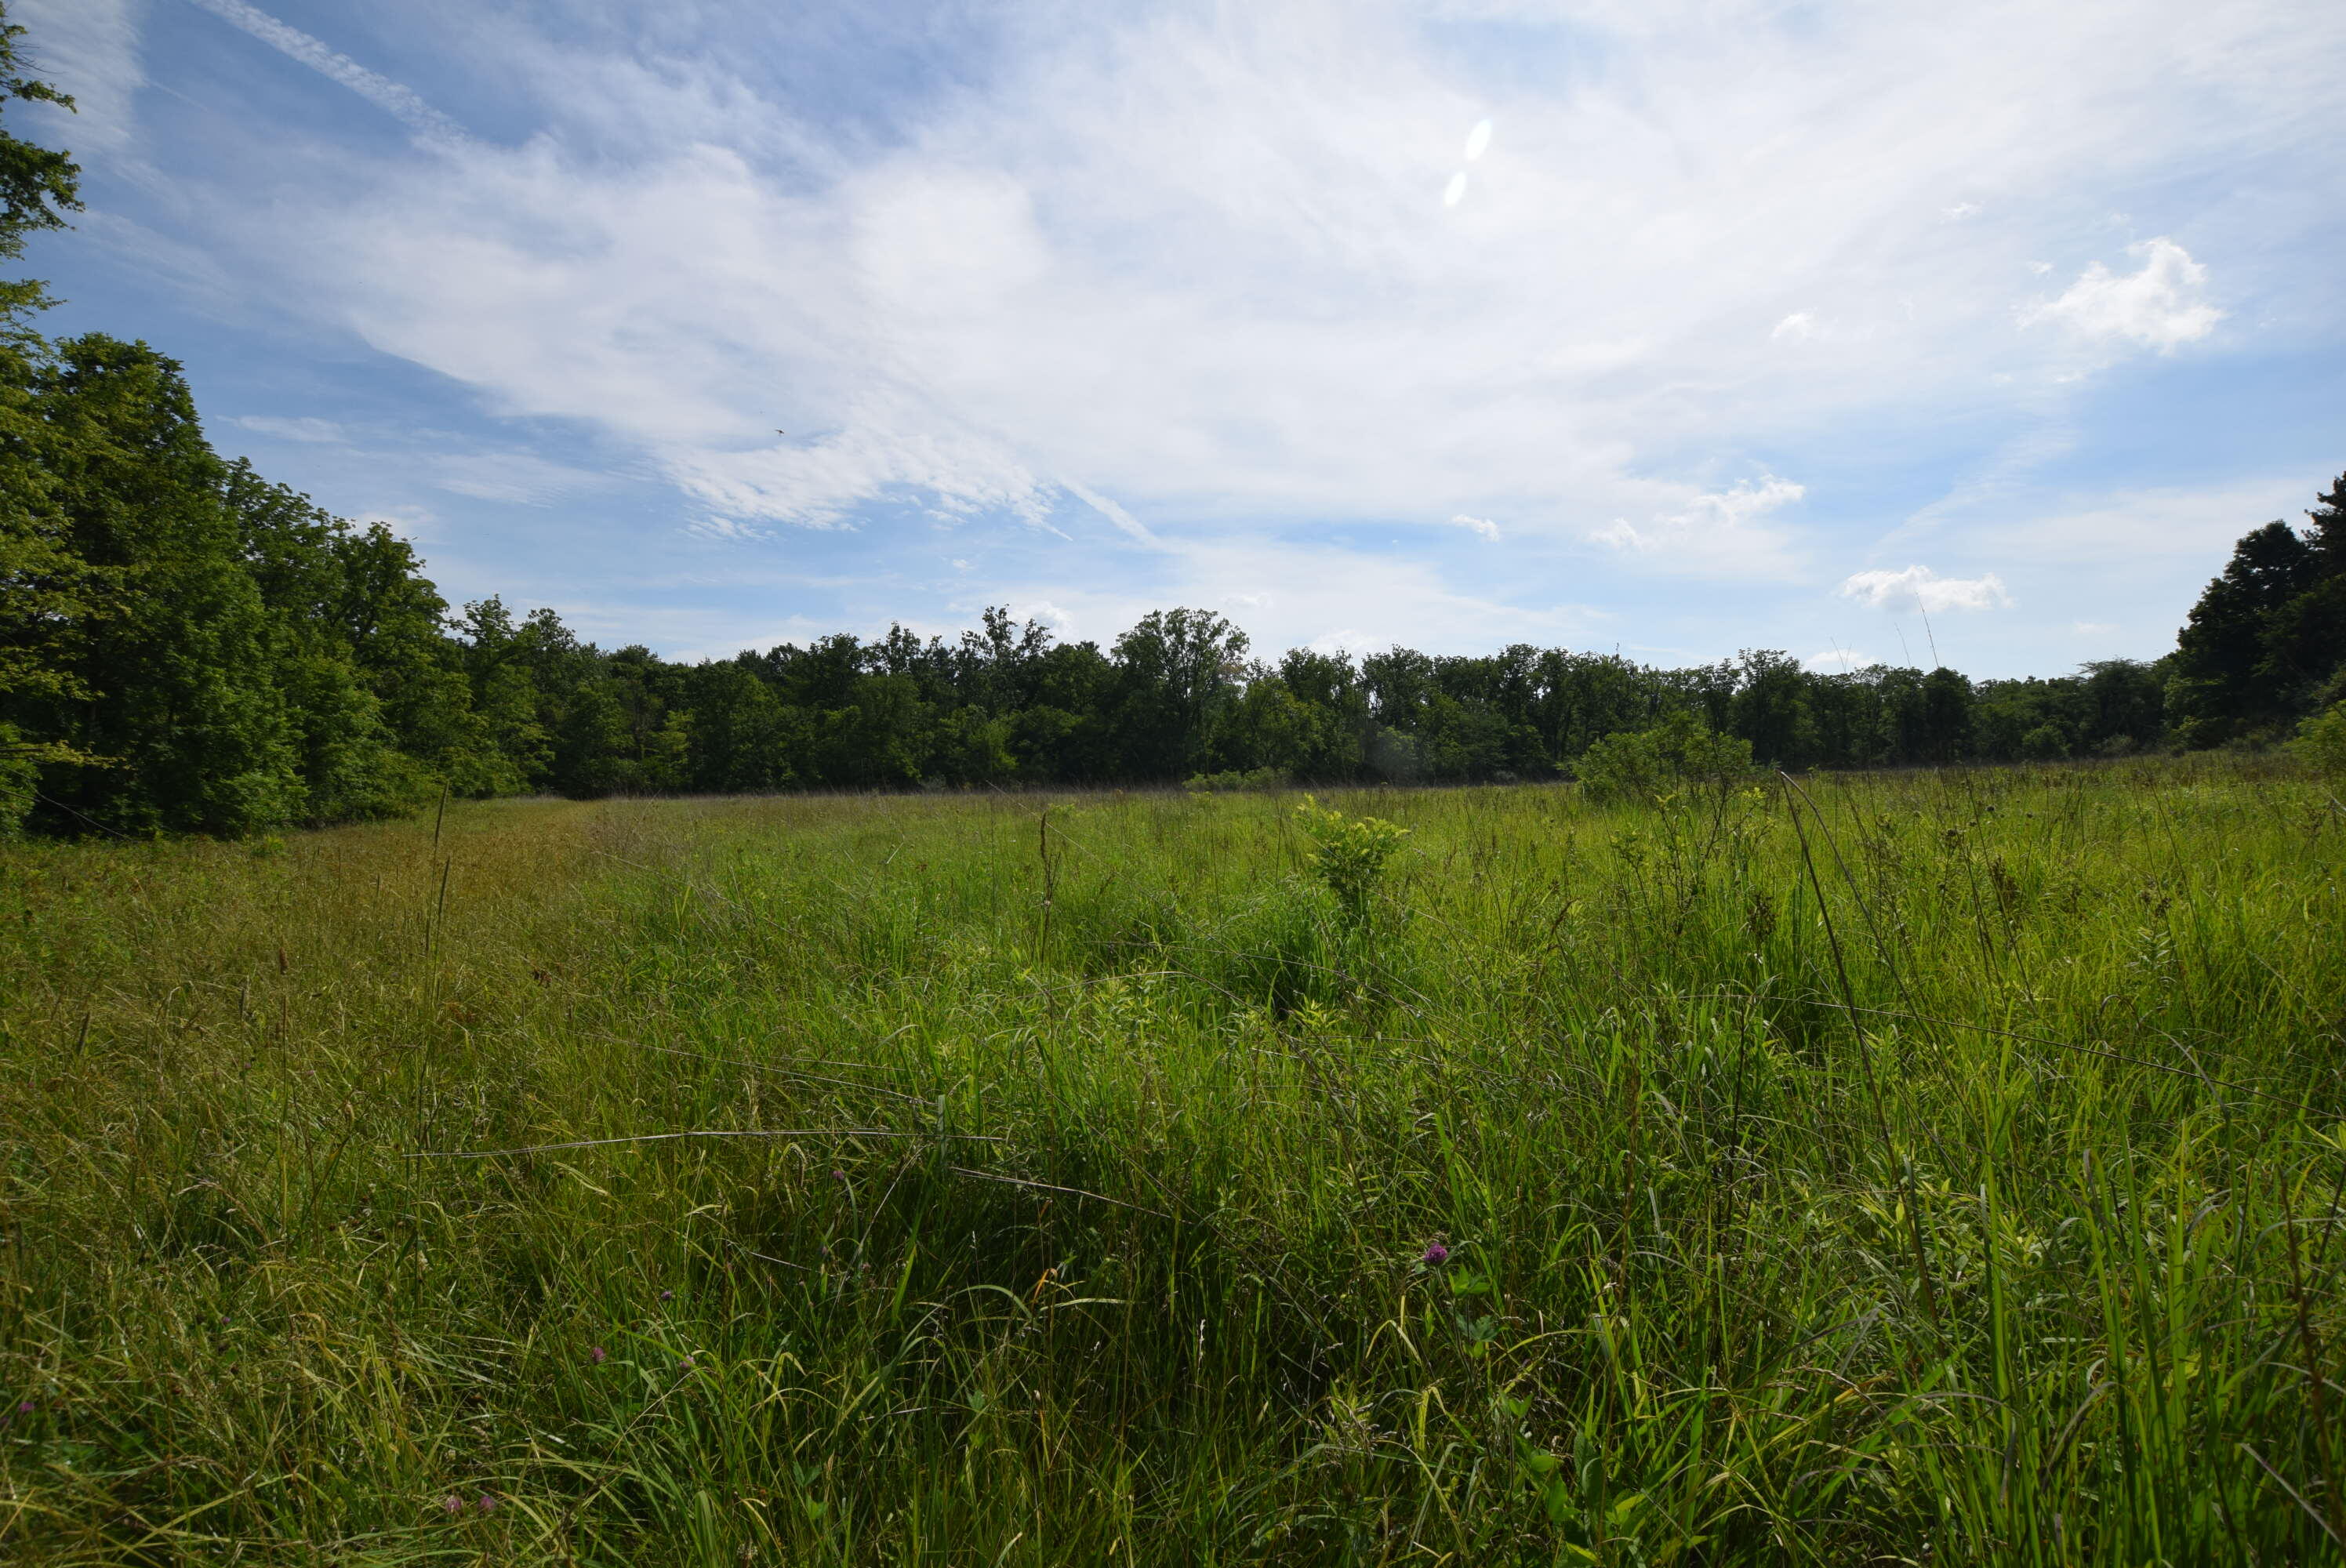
<point x="87" y="49"/>
<point x="514" y="476"/>
<point x="1716" y="533"/>
<point x="1343" y="641"/>
<point x="1044" y="612"/>
<point x="302" y="428"/>
<point x="1313" y="589"/>
<point x="1482" y="527"/>
<point x="688" y="628"/>
<point x="2183" y="526"/>
<point x="1919" y="587"/>
<point x="2161" y="307"/>
<point x="417" y="524"/>
<point x="1193" y="262"/>
<point x="2093" y="628"/>
<point x="402" y="103"/>
<point x="1839" y="658"/>
<point x="1109" y="509"/>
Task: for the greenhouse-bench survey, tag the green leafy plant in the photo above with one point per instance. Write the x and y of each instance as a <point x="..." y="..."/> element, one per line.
<point x="2321" y="741"/>
<point x="740" y="1181"/>
<point x="1650" y="764"/>
<point x="1246" y="779"/>
<point x="1350" y="854"/>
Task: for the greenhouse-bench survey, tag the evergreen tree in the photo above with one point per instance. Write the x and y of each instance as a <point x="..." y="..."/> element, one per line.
<point x="2224" y="682"/>
<point x="2328" y="536"/>
<point x="2305" y="645"/>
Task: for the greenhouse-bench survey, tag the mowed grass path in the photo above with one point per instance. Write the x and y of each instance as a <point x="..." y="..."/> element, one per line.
<point x="1089" y="1165"/>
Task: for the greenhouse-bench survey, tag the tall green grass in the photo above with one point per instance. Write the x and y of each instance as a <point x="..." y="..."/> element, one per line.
<point x="1939" y="1167"/>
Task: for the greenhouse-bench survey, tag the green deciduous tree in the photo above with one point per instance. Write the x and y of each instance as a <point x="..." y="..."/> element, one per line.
<point x="1771" y="708"/>
<point x="47" y="593"/>
<point x="1177" y="671"/>
<point x="174" y="688"/>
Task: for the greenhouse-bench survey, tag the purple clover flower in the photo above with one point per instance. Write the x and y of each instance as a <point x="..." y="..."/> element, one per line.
<point x="668" y="1295"/>
<point x="597" y="1354"/>
<point x="488" y="1503"/>
<point x="452" y="1505"/>
<point x="1437" y="1255"/>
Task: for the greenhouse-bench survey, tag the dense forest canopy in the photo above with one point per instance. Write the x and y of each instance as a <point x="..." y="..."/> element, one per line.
<point x="188" y="647"/>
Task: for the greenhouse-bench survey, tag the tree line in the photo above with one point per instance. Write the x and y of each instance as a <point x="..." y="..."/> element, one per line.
<point x="188" y="647"/>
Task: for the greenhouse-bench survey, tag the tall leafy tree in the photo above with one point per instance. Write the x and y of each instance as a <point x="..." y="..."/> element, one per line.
<point x="1770" y="708"/>
<point x="1178" y="670"/>
<point x="48" y="592"/>
<point x="1947" y="701"/>
<point x="503" y="688"/>
<point x="38" y="185"/>
<point x="173" y="686"/>
<point x="185" y="646"/>
<point x="1329" y="689"/>
<point x="2223" y="683"/>
<point x="291" y="549"/>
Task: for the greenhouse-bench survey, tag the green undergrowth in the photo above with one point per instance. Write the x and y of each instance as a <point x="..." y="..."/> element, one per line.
<point x="1939" y="1167"/>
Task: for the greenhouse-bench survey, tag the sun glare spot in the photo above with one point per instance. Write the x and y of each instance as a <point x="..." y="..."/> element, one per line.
<point x="1478" y="140"/>
<point x="1456" y="191"/>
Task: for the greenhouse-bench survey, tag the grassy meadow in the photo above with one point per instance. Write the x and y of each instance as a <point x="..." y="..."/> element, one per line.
<point x="1933" y="1168"/>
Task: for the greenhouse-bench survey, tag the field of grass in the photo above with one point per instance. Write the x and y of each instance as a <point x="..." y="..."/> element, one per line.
<point x="1928" y="1168"/>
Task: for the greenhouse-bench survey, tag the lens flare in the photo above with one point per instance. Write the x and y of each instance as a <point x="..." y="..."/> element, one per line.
<point x="1456" y="191"/>
<point x="1478" y="140"/>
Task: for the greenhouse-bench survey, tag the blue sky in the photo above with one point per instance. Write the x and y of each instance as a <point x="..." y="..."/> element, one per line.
<point x="1671" y="328"/>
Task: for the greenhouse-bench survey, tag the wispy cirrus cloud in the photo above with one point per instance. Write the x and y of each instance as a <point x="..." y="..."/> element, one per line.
<point x="1165" y="258"/>
<point x="520" y="477"/>
<point x="1145" y="286"/>
<point x="293" y="427"/>
<point x="401" y="102"/>
<point x="88" y="49"/>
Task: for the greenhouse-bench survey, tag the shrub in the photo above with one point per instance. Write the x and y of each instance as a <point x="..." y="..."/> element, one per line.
<point x="1651" y="763"/>
<point x="1252" y="779"/>
<point x="2321" y="741"/>
<point x="1352" y="853"/>
<point x="17" y="776"/>
<point x="2043" y="744"/>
